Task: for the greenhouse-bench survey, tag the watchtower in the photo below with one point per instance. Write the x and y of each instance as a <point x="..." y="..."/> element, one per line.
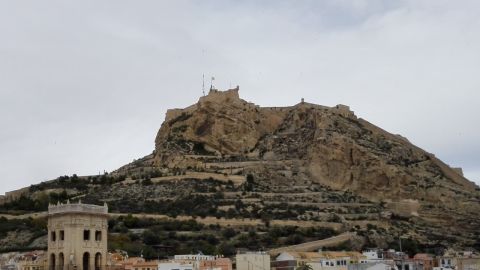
<point x="77" y="236"/>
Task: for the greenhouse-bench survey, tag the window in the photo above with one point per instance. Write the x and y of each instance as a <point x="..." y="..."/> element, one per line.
<point x="53" y="236"/>
<point x="86" y="235"/>
<point x="98" y="236"/>
<point x="62" y="235"/>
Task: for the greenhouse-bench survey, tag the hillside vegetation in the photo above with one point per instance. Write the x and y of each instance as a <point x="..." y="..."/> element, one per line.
<point x="229" y="163"/>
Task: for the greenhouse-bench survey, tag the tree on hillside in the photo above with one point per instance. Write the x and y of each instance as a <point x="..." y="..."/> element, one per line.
<point x="304" y="266"/>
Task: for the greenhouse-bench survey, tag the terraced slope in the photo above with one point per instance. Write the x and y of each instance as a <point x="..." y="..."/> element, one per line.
<point x="230" y="162"/>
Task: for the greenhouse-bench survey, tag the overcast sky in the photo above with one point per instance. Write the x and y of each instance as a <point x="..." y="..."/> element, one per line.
<point x="84" y="85"/>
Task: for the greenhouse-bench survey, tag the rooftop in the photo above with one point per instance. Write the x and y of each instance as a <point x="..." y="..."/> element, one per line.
<point x="325" y="255"/>
<point x="69" y="208"/>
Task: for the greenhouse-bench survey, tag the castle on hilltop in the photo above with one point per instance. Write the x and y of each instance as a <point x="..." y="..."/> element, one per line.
<point x="232" y="95"/>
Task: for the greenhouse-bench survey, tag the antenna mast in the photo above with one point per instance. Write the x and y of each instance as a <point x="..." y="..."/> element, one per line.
<point x="203" y="84"/>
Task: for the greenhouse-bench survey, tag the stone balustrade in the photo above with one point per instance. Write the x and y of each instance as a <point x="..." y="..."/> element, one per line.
<point x="77" y="208"/>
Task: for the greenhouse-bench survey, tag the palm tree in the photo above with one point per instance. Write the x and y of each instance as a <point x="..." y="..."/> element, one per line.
<point x="304" y="266"/>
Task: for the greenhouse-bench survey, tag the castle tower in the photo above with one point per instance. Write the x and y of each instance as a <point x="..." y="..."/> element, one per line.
<point x="77" y="236"/>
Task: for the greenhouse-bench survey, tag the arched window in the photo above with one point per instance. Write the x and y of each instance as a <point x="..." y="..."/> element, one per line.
<point x="86" y="261"/>
<point x="61" y="261"/>
<point x="52" y="262"/>
<point x="98" y="261"/>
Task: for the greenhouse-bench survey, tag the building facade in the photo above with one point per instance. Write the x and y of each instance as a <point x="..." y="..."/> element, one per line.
<point x="326" y="260"/>
<point x="77" y="236"/>
<point x="175" y="266"/>
<point x="253" y="261"/>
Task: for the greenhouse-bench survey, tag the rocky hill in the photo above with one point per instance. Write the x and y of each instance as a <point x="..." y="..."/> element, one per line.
<point x="226" y="161"/>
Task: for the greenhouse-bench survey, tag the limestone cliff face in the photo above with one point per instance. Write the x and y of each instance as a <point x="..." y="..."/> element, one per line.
<point x="219" y="124"/>
<point x="305" y="144"/>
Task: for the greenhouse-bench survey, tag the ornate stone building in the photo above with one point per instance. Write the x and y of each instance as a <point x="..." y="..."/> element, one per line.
<point x="77" y="236"/>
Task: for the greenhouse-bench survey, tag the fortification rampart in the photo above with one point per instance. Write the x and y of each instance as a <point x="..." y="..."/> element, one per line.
<point x="312" y="105"/>
<point x="343" y="110"/>
<point x="174" y="113"/>
<point x="277" y="109"/>
<point x="214" y="95"/>
<point x="458" y="170"/>
<point x="13" y="195"/>
<point x="217" y="96"/>
<point x="221" y="96"/>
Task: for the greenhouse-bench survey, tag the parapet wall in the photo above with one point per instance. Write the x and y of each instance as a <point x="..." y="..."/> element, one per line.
<point x="221" y="96"/>
<point x="214" y="95"/>
<point x="312" y="105"/>
<point x="458" y="170"/>
<point x="343" y="110"/>
<point x="174" y="113"/>
<point x="77" y="208"/>
<point x="232" y="95"/>
<point x="277" y="109"/>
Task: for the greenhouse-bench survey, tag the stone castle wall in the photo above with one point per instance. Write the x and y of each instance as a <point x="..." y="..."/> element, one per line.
<point x="343" y="110"/>
<point x="458" y="170"/>
<point x="214" y="95"/>
<point x="217" y="95"/>
<point x="13" y="195"/>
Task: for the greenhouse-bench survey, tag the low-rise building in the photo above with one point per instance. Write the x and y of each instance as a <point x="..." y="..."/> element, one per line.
<point x="145" y="265"/>
<point x="331" y="260"/>
<point x="128" y="263"/>
<point x="425" y="261"/>
<point x="204" y="262"/>
<point x="373" y="255"/>
<point x="216" y="264"/>
<point x="252" y="261"/>
<point x="35" y="260"/>
<point x="465" y="260"/>
<point x="380" y="265"/>
<point x="193" y="257"/>
<point x="375" y="260"/>
<point x="172" y="265"/>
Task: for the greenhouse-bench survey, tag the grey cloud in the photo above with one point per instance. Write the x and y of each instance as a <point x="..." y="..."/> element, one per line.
<point x="84" y="85"/>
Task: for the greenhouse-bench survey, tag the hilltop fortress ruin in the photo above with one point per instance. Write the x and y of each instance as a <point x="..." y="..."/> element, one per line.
<point x="232" y="95"/>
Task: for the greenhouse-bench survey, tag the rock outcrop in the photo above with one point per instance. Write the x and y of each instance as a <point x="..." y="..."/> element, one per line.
<point x="305" y="144"/>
